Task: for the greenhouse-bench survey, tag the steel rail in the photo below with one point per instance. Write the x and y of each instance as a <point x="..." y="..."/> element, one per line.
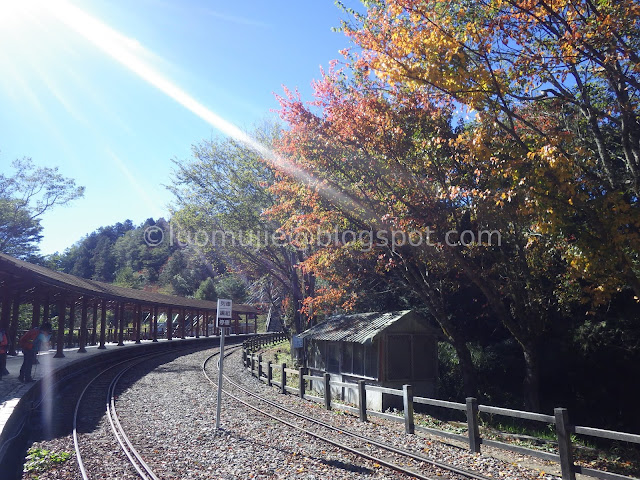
<point x="140" y="469"/>
<point x="143" y="469"/>
<point x="382" y="445"/>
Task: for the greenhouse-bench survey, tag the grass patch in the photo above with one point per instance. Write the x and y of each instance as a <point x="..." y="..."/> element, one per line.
<point x="278" y="354"/>
<point x="39" y="460"/>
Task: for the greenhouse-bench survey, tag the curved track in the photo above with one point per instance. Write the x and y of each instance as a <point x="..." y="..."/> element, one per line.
<point x="112" y="375"/>
<point x="436" y="466"/>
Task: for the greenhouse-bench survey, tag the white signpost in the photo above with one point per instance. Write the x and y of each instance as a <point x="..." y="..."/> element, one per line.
<point x="223" y="320"/>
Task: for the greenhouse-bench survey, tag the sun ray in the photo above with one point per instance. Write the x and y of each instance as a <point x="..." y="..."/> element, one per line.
<point x="122" y="49"/>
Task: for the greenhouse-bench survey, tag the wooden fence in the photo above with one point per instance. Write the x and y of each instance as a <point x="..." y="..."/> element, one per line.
<point x="262" y="340"/>
<point x="560" y="418"/>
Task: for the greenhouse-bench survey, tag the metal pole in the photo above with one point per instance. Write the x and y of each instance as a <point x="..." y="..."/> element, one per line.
<point x="219" y="404"/>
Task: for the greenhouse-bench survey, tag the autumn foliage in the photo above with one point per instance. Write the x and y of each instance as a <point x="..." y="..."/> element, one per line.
<point x="519" y="117"/>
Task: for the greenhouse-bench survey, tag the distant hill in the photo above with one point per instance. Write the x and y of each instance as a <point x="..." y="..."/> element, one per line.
<point x="142" y="257"/>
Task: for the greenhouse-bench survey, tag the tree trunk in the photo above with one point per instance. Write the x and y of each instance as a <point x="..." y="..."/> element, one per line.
<point x="469" y="382"/>
<point x="531" y="377"/>
<point x="296" y="299"/>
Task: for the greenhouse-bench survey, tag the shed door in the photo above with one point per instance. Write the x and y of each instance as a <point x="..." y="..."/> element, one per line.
<point x="424" y="357"/>
<point x="333" y="357"/>
<point x="399" y="357"/>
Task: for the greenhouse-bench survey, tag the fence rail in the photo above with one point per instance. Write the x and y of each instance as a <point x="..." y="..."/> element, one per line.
<point x="256" y="343"/>
<point x="472" y="409"/>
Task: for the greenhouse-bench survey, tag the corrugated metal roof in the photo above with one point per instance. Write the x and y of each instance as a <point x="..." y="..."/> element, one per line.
<point x="38" y="274"/>
<point x="356" y="328"/>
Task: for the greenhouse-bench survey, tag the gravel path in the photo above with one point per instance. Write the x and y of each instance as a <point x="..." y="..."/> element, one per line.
<point x="168" y="414"/>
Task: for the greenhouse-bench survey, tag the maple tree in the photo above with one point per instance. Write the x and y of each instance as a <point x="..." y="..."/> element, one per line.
<point x="399" y="165"/>
<point x="561" y="80"/>
<point x="392" y="157"/>
<point x="550" y="95"/>
<point x="510" y="117"/>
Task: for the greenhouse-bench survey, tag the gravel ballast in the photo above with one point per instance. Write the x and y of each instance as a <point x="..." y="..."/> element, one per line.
<point x="168" y="415"/>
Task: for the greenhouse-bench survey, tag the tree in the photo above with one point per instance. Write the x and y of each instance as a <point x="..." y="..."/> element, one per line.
<point x="400" y="166"/>
<point x="393" y="160"/>
<point x="207" y="290"/>
<point x="103" y="261"/>
<point x="82" y="265"/>
<point x="562" y="81"/>
<point x="24" y="197"/>
<point x="230" y="286"/>
<point x="550" y="92"/>
<point x="126" y="277"/>
<point x="221" y="195"/>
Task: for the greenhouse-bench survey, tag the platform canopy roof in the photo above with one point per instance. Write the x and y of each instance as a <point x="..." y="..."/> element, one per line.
<point x="32" y="280"/>
<point x="360" y="327"/>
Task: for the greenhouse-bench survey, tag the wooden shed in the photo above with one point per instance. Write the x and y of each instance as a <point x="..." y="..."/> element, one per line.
<point x="386" y="349"/>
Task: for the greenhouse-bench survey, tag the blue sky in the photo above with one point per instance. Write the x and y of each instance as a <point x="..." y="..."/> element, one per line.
<point x="67" y="102"/>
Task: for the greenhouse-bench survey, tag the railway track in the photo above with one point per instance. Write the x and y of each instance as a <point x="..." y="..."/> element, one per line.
<point x="104" y="384"/>
<point x="436" y="468"/>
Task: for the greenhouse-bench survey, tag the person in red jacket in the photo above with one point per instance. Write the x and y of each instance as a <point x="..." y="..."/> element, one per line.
<point x="4" y="344"/>
<point x="31" y="342"/>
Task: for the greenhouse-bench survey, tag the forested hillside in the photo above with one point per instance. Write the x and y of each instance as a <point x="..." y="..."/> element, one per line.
<point x="121" y="254"/>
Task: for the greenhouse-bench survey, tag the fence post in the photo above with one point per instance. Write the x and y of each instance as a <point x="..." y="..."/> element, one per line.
<point x="301" y="381"/>
<point x="260" y="367"/>
<point x="269" y="372"/>
<point x="564" y="443"/>
<point x="362" y="400"/>
<point x="407" y="400"/>
<point x="253" y="363"/>
<point x="244" y="355"/>
<point x="327" y="391"/>
<point x="283" y="377"/>
<point x="472" y="425"/>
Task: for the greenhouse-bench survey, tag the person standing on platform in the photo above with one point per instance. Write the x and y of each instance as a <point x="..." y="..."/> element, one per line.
<point x="31" y="342"/>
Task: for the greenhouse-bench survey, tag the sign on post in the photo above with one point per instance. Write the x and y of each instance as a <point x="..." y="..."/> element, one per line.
<point x="223" y="320"/>
<point x="224" y="313"/>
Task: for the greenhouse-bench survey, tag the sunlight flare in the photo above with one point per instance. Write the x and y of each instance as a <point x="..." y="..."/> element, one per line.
<point x="123" y="49"/>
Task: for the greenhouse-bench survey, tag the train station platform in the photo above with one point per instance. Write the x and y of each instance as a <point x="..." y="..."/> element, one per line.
<point x="18" y="399"/>
<point x="12" y="390"/>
